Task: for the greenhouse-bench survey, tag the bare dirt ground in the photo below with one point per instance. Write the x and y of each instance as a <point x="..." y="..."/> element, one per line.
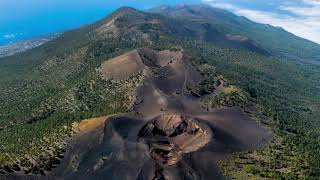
<point x="114" y="148"/>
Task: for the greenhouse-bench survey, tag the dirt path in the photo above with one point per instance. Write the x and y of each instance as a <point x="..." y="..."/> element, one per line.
<point x="185" y="80"/>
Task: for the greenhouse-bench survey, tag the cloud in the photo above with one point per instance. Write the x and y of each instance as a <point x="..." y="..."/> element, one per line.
<point x="311" y="8"/>
<point x="9" y="36"/>
<point x="312" y="2"/>
<point x="302" y="20"/>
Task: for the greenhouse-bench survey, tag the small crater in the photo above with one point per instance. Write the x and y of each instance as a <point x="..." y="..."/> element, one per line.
<point x="172" y="135"/>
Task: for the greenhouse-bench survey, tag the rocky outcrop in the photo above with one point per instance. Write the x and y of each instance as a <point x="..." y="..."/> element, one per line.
<point x="172" y="135"/>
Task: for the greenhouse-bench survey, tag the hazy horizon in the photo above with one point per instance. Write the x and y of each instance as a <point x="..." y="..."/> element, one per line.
<point x="36" y="18"/>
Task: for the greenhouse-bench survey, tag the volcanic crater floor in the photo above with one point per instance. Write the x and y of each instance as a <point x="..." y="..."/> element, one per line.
<point x="170" y="136"/>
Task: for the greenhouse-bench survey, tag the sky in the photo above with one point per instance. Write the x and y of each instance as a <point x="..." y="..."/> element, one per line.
<point x="23" y="19"/>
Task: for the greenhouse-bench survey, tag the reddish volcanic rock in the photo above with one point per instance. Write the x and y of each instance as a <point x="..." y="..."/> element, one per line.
<point x="172" y="135"/>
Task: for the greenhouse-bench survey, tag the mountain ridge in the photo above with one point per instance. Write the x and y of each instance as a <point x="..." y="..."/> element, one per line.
<point x="244" y="26"/>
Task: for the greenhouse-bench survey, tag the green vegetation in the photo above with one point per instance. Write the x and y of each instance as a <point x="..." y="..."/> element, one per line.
<point x="230" y="96"/>
<point x="284" y="91"/>
<point x="279" y="160"/>
<point x="36" y="145"/>
<point x="46" y="89"/>
<point x="210" y="81"/>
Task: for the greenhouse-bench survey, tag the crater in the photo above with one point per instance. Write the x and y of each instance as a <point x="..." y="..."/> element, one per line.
<point x="170" y="136"/>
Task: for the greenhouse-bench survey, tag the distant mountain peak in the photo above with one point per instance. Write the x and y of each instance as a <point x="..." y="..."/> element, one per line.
<point x="164" y="7"/>
<point x="182" y="5"/>
<point x="125" y="11"/>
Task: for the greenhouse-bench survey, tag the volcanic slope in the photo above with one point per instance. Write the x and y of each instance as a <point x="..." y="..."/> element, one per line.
<point x="169" y="135"/>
